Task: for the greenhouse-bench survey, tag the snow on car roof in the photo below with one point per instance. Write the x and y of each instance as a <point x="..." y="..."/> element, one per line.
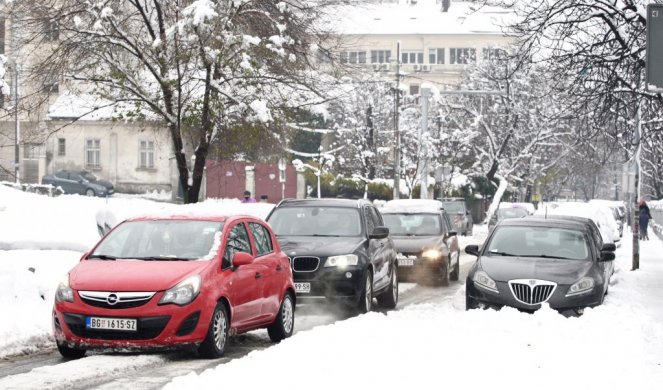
<point x="412" y="206"/>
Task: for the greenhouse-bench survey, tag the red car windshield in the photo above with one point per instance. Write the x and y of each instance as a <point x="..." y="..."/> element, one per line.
<point x="161" y="240"/>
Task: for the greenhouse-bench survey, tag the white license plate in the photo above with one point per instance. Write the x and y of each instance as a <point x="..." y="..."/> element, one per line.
<point x="303" y="287"/>
<point x="122" y="324"/>
<point x="405" y="262"/>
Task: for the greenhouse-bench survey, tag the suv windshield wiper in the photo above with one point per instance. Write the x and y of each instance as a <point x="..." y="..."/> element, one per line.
<point x="501" y="253"/>
<point x="161" y="258"/>
<point x="102" y="257"/>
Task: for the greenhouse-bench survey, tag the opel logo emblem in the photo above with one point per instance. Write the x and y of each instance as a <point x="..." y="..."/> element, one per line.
<point x="112" y="299"/>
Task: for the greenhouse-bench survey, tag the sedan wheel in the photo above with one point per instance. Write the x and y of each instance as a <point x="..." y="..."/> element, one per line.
<point x="284" y="323"/>
<point x="214" y="344"/>
<point x="89" y="192"/>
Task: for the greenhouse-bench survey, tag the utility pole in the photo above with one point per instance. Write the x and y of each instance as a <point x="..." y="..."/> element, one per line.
<point x="636" y="195"/>
<point x="397" y="135"/>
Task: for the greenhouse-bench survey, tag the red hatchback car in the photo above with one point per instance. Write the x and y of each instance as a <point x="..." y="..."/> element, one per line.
<point x="176" y="281"/>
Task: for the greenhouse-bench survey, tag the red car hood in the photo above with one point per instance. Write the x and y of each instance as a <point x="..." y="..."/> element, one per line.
<point x="131" y="275"/>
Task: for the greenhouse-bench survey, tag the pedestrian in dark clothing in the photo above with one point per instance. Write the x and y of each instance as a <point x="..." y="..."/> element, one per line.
<point x="644" y="218"/>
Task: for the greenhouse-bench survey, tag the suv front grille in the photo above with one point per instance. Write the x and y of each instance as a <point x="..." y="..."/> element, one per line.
<point x="305" y="264"/>
<point x="531" y="291"/>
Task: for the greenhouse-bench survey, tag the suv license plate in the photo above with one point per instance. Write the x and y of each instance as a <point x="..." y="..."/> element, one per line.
<point x="303" y="287"/>
<point x="122" y="324"/>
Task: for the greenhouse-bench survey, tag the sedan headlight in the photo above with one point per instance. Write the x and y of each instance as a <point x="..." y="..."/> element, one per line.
<point x="432" y="254"/>
<point x="182" y="294"/>
<point x="64" y="293"/>
<point x="482" y="279"/>
<point x="582" y="286"/>
<point x="342" y="261"/>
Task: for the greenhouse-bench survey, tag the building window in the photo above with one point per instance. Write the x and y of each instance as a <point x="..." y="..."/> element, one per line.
<point x="92" y="153"/>
<point x="436" y="56"/>
<point x="62" y="150"/>
<point x="353" y="57"/>
<point x="463" y="55"/>
<point x="412" y="57"/>
<point x="2" y="35"/>
<point x="31" y="151"/>
<point x="51" y="30"/>
<point x="146" y="158"/>
<point x="380" y="56"/>
<point x="493" y="54"/>
<point x="51" y="87"/>
<point x="414" y="89"/>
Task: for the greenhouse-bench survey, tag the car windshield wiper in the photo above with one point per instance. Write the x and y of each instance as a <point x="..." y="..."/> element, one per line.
<point x="553" y="257"/>
<point x="325" y="235"/>
<point x="102" y="257"/>
<point x="501" y="253"/>
<point x="162" y="258"/>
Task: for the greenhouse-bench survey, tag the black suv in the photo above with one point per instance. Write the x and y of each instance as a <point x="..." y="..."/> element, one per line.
<point x="339" y="250"/>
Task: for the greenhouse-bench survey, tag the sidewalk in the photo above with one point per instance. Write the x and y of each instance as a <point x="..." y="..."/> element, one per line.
<point x="645" y="283"/>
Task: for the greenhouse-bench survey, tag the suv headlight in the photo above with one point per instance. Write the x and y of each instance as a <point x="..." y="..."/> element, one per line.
<point x="582" y="286"/>
<point x="182" y="294"/>
<point x="342" y="261"/>
<point x="64" y="293"/>
<point x="481" y="279"/>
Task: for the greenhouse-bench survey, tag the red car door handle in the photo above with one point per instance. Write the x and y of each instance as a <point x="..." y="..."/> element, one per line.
<point x="279" y="268"/>
<point x="258" y="275"/>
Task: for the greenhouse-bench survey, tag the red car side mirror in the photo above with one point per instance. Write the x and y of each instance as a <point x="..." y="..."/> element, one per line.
<point x="242" y="258"/>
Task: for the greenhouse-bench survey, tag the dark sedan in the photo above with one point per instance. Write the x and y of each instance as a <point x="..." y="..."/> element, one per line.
<point x="79" y="182"/>
<point x="340" y="251"/>
<point x="427" y="245"/>
<point x="531" y="261"/>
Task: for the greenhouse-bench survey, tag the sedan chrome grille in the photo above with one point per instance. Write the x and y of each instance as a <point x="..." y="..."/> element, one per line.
<point x="531" y="291"/>
<point x="305" y="264"/>
<point x="115" y="300"/>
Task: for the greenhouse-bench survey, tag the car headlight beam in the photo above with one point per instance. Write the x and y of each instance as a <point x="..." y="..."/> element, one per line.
<point x="481" y="279"/>
<point x="584" y="285"/>
<point x="184" y="293"/>
<point x="342" y="261"/>
<point x="431" y="254"/>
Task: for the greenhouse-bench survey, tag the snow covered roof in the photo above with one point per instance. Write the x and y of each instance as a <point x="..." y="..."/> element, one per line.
<point x="423" y="17"/>
<point x="411" y="206"/>
<point x="83" y="106"/>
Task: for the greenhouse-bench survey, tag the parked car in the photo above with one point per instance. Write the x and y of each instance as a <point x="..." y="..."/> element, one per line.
<point x="459" y="214"/>
<point x="340" y="251"/>
<point x="176" y="281"/>
<point x="425" y="241"/>
<point x="506" y="211"/>
<point x="601" y="215"/>
<point x="529" y="261"/>
<point x="79" y="182"/>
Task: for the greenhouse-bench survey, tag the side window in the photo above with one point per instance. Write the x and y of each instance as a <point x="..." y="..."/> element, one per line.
<point x="447" y="222"/>
<point x="262" y="238"/>
<point x="238" y="241"/>
<point x="444" y="222"/>
<point x="377" y="218"/>
<point x="370" y="221"/>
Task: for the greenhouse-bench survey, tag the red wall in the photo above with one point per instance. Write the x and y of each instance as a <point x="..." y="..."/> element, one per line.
<point x="227" y="179"/>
